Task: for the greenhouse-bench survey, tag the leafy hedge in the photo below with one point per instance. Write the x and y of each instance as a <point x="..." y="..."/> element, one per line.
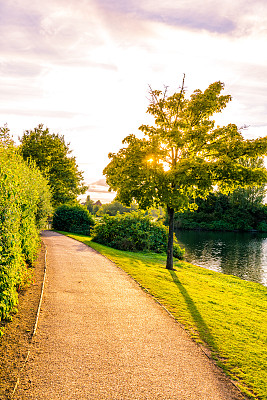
<point x="73" y="218"/>
<point x="24" y="206"/>
<point x="133" y="232"/>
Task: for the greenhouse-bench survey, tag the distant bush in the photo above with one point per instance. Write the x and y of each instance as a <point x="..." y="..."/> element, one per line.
<point x="24" y="206"/>
<point x="262" y="227"/>
<point x="115" y="207"/>
<point x="225" y="213"/>
<point x="73" y="218"/>
<point x="133" y="232"/>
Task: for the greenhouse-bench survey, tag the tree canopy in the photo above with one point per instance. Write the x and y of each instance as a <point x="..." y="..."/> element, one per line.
<point x="183" y="156"/>
<point x="52" y="156"/>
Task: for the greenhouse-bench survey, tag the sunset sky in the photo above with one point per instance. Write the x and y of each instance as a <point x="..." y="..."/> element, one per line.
<point x="82" y="68"/>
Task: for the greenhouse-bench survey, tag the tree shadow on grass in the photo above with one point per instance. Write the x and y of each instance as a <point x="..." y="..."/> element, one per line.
<point x="202" y="328"/>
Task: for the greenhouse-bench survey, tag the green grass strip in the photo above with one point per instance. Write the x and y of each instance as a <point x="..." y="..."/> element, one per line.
<point x="223" y="312"/>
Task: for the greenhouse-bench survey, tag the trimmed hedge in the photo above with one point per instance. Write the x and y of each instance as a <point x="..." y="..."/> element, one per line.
<point x="24" y="206"/>
<point x="133" y="232"/>
<point x="73" y="218"/>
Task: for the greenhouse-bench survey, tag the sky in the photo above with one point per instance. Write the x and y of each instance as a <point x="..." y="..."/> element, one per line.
<point x="83" y="68"/>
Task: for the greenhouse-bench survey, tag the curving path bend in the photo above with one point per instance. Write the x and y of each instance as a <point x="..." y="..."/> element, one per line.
<point x="101" y="337"/>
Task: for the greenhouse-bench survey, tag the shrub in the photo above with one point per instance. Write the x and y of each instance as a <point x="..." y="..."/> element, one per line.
<point x="133" y="232"/>
<point x="73" y="218"/>
<point x="225" y="213"/>
<point x="24" y="206"/>
<point x="262" y="227"/>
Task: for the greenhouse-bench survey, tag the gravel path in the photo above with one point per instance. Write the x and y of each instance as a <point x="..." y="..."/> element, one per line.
<point x="101" y="337"/>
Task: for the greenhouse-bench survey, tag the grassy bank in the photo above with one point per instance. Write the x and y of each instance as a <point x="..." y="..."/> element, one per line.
<point x="225" y="313"/>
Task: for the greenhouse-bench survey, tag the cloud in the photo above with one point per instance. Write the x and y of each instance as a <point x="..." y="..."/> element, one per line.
<point x="99" y="186"/>
<point x="218" y="17"/>
<point x="19" y="69"/>
<point x="59" y="32"/>
<point x="249" y="93"/>
<point x="99" y="191"/>
<point x="196" y="15"/>
<point x="52" y="31"/>
<point x="19" y="27"/>
<point x="40" y="113"/>
<point x="13" y="14"/>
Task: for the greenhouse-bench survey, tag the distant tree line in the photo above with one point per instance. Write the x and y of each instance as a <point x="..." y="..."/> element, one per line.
<point x="224" y="213"/>
<point x="112" y="209"/>
<point x="243" y="209"/>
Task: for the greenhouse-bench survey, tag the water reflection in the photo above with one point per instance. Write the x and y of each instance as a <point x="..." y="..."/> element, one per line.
<point x="234" y="253"/>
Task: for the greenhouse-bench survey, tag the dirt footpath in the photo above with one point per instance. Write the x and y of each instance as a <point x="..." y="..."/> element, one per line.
<point x="101" y="337"/>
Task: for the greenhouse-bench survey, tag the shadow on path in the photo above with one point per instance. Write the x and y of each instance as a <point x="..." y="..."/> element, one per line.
<point x="203" y="330"/>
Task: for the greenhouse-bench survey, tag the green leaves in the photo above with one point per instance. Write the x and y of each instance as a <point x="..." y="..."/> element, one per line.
<point x="24" y="207"/>
<point x="73" y="218"/>
<point x="133" y="232"/>
<point x="204" y="105"/>
<point x="182" y="156"/>
<point x="240" y="210"/>
<point x="52" y="156"/>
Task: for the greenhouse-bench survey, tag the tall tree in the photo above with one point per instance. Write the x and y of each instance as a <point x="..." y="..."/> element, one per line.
<point x="183" y="155"/>
<point x="89" y="204"/>
<point x="5" y="138"/>
<point x="52" y="156"/>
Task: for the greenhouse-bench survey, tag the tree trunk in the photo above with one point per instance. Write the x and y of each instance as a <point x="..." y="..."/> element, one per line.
<point x="169" y="264"/>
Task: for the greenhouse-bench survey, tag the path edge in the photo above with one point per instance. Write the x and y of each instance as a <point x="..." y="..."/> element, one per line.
<point x="36" y="322"/>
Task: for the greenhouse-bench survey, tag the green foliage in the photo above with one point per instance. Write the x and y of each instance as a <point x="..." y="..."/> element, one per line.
<point x="249" y="198"/>
<point x="73" y="218"/>
<point x="89" y="204"/>
<point x="24" y="206"/>
<point x="134" y="232"/>
<point x="92" y="206"/>
<point x="237" y="211"/>
<point x="5" y="138"/>
<point x="52" y="156"/>
<point x="262" y="227"/>
<point x="183" y="155"/>
<point x="114" y="208"/>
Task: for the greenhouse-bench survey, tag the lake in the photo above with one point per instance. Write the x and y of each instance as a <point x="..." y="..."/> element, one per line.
<point x="243" y="254"/>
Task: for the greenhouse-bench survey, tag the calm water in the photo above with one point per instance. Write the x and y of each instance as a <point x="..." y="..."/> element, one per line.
<point x="234" y="253"/>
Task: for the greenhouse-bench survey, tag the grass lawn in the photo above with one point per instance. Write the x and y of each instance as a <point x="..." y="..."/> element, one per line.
<point x="226" y="314"/>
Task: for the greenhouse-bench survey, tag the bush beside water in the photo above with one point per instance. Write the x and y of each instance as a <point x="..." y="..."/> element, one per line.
<point x="133" y="232"/>
<point x="221" y="213"/>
